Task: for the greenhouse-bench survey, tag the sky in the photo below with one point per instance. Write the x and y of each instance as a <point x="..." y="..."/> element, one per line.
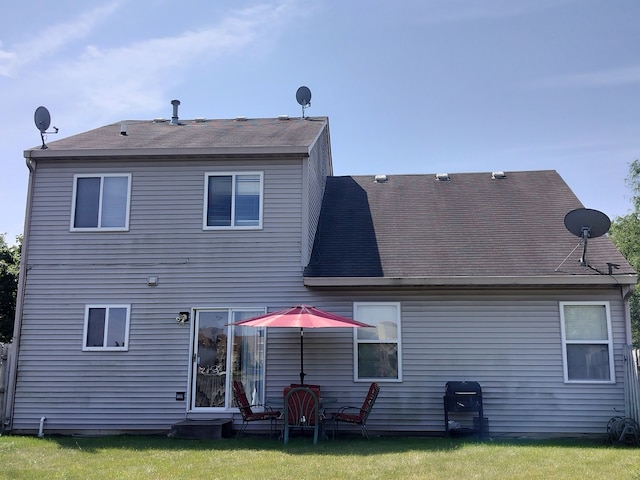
<point x="410" y="87"/>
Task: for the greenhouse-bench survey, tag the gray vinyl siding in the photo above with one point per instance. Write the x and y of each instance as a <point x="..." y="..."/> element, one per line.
<point x="318" y="168"/>
<point x="135" y="390"/>
<point x="508" y="340"/>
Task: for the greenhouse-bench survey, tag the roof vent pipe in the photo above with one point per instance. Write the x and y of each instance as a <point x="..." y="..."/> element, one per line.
<point x="174" y="117"/>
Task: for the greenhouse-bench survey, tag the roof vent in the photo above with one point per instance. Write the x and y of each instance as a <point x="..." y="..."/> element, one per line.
<point x="159" y="120"/>
<point x="174" y="117"/>
<point x="495" y="175"/>
<point x="443" y="177"/>
<point x="241" y="118"/>
<point x="283" y="117"/>
<point x="200" y="119"/>
<point x="380" y="178"/>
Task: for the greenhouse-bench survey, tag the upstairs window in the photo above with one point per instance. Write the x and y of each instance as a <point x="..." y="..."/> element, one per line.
<point x="378" y="351"/>
<point x="233" y="200"/>
<point x="106" y="327"/>
<point x="587" y="345"/>
<point x="101" y="202"/>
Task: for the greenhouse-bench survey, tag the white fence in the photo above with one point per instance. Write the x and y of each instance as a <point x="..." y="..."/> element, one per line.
<point x="631" y="385"/>
<point x="4" y="380"/>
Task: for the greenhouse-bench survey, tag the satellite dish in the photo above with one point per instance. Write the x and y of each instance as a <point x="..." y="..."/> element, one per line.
<point x="303" y="96"/>
<point x="42" y="119"/>
<point x="586" y="223"/>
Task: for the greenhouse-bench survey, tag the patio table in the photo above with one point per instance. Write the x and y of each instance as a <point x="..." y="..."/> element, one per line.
<point x="277" y="403"/>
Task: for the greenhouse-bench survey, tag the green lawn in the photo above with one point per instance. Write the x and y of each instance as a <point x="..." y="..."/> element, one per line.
<point x="133" y="457"/>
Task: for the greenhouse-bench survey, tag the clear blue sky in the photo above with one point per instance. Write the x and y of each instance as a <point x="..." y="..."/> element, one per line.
<point x="416" y="86"/>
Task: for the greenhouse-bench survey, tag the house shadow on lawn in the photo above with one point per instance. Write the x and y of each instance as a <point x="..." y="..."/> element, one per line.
<point x="350" y="445"/>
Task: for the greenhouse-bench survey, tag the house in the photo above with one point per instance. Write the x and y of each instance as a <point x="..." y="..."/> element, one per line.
<point x="144" y="240"/>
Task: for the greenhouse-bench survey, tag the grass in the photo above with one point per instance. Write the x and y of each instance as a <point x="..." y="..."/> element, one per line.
<point x="149" y="457"/>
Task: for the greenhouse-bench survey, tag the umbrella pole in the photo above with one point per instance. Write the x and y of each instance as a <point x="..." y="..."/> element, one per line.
<point x="302" y="374"/>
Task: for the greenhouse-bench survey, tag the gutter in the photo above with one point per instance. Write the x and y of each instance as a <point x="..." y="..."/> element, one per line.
<point x="293" y="151"/>
<point x="22" y="280"/>
<point x="473" y="281"/>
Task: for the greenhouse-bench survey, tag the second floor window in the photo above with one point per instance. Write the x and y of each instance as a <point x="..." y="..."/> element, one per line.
<point x="233" y="200"/>
<point x="101" y="202"/>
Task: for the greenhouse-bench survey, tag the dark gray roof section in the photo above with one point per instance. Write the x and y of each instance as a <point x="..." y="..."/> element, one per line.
<point x="148" y="135"/>
<point x="416" y="226"/>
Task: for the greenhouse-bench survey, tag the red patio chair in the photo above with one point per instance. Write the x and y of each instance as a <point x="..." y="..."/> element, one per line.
<point x="248" y="415"/>
<point x="359" y="418"/>
<point x="302" y="410"/>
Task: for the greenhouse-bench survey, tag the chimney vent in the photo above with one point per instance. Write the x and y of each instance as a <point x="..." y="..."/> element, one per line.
<point x="174" y="117"/>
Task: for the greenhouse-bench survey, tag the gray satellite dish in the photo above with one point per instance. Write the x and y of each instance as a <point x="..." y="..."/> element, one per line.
<point x="303" y="96"/>
<point x="586" y="223"/>
<point x="42" y="119"/>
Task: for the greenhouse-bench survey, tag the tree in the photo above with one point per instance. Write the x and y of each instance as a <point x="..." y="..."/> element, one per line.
<point x="625" y="234"/>
<point x="9" y="267"/>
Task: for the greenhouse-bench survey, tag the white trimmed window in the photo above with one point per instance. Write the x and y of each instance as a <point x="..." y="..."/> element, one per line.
<point x="106" y="327"/>
<point x="101" y="202"/>
<point x="378" y="350"/>
<point x="587" y="346"/>
<point x="233" y="200"/>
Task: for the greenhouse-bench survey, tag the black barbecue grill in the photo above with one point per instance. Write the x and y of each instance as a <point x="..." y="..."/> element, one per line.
<point x="463" y="397"/>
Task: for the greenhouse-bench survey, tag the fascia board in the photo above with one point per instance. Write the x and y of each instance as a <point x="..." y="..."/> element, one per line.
<point x="473" y="281"/>
<point x="168" y="152"/>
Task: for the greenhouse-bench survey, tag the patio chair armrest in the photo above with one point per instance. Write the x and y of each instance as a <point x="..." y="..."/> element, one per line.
<point x="264" y="406"/>
<point x="348" y="407"/>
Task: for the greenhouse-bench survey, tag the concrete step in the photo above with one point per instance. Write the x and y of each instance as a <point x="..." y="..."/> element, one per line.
<point x="213" y="429"/>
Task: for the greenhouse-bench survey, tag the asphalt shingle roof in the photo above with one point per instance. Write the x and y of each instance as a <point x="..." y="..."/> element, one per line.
<point x="415" y="226"/>
<point x="411" y="226"/>
<point x="149" y="134"/>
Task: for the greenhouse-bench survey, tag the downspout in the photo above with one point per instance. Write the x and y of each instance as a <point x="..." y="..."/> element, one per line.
<point x="626" y="292"/>
<point x="631" y="386"/>
<point x="22" y="280"/>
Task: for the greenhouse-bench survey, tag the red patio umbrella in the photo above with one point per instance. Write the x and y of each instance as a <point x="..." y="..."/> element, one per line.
<point x="301" y="316"/>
